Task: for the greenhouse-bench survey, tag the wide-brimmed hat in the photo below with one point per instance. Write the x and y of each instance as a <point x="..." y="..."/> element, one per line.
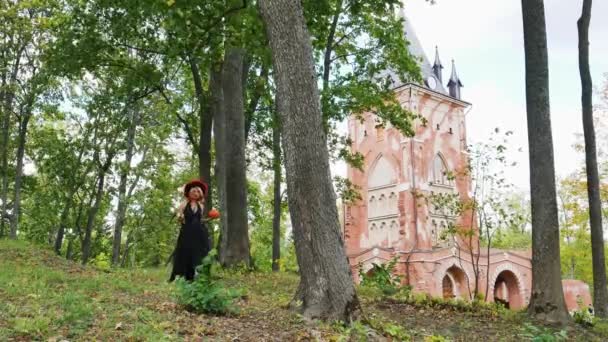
<point x="196" y="183"/>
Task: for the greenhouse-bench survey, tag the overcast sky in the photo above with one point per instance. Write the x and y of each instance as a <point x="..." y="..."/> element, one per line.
<point x="485" y="38"/>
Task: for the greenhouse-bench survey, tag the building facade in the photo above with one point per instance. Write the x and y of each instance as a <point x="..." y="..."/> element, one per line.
<point x="395" y="218"/>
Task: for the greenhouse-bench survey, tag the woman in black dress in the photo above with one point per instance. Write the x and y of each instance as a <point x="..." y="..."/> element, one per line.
<point x="193" y="240"/>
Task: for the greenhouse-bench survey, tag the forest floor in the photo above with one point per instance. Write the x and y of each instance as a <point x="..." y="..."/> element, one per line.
<point x="46" y="298"/>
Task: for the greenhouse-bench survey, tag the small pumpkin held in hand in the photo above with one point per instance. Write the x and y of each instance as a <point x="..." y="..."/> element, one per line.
<point x="213" y="214"/>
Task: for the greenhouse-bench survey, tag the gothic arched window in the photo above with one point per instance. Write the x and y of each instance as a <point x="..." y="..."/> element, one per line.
<point x="441" y="174"/>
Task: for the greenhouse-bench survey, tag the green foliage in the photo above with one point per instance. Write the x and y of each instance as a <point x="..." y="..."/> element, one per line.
<point x="382" y="276"/>
<point x="102" y="261"/>
<point x="357" y="331"/>
<point x="542" y="334"/>
<point x="600" y="326"/>
<point x="389" y="329"/>
<point x="583" y="317"/>
<point x="575" y="245"/>
<point x="261" y="208"/>
<point x="512" y="239"/>
<point x="206" y="294"/>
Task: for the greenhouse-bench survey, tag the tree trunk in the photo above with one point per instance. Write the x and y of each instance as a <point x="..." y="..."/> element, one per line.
<point x="5" y="148"/>
<point x="86" y="243"/>
<point x="123" y="200"/>
<point x="70" y="249"/>
<point x="219" y="134"/>
<point x="7" y="104"/>
<point x="125" y="257"/>
<point x="547" y="297"/>
<point x="63" y="223"/>
<point x="206" y="120"/>
<point x="600" y="295"/>
<point x="235" y="240"/>
<point x="276" y="219"/>
<point x="328" y="288"/>
<point x="4" y="116"/>
<point x="19" y="173"/>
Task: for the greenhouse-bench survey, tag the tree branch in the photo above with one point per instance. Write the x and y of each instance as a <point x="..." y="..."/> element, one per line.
<point x="181" y="119"/>
<point x="329" y="45"/>
<point x="255" y="99"/>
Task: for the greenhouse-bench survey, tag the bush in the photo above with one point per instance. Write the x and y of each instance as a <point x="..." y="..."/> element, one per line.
<point x="206" y="294"/>
<point x="382" y="277"/>
<point x="583" y="317"/>
<point x="102" y="261"/>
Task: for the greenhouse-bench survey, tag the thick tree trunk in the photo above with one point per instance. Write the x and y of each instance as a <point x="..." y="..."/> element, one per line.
<point x="235" y="240"/>
<point x="219" y="134"/>
<point x="123" y="200"/>
<point x="600" y="295"/>
<point x="327" y="284"/>
<point x="19" y="173"/>
<point x="276" y="219"/>
<point x="547" y="297"/>
<point x="205" y="122"/>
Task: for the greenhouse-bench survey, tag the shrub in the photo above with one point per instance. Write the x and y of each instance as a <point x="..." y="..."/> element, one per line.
<point x="382" y="277"/>
<point x="583" y="317"/>
<point x="205" y="294"/>
<point x="102" y="261"/>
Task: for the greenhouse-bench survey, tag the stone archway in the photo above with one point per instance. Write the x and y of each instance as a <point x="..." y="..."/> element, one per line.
<point x="458" y="282"/>
<point x="507" y="291"/>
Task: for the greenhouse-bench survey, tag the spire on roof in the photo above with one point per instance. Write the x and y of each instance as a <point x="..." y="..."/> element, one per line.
<point x="454" y="84"/>
<point x="437" y="66"/>
<point x="429" y="78"/>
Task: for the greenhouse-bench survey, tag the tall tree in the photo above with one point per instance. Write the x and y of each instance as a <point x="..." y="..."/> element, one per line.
<point x="219" y="135"/>
<point x="133" y="122"/>
<point x="205" y="122"/>
<point x="235" y="239"/>
<point x="276" y="216"/>
<point x="547" y="299"/>
<point x="327" y="288"/>
<point x="600" y="292"/>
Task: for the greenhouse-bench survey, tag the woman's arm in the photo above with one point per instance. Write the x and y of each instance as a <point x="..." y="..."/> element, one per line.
<point x="180" y="212"/>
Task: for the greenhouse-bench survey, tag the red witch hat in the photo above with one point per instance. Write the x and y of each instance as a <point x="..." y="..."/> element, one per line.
<point x="196" y="183"/>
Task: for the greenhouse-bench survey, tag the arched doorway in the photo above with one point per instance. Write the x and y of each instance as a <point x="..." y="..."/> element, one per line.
<point x="507" y="291"/>
<point x="454" y="283"/>
<point x="448" y="287"/>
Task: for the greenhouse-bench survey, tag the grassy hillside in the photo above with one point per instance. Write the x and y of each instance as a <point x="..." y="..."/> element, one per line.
<point x="43" y="297"/>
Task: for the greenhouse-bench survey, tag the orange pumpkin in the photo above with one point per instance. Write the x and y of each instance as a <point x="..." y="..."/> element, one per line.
<point x="213" y="214"/>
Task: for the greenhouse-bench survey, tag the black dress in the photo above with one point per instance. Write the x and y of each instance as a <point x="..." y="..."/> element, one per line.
<point x="192" y="245"/>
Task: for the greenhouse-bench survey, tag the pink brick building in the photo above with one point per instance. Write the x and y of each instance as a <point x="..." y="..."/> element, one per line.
<point x="394" y="218"/>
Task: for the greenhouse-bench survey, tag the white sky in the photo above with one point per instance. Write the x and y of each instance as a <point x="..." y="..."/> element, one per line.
<point x="485" y="38"/>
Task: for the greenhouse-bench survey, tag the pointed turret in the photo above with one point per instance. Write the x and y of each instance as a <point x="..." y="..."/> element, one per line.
<point x="454" y="84"/>
<point x="429" y="79"/>
<point x="437" y="66"/>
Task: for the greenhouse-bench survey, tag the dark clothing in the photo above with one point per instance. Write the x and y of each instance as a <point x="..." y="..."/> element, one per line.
<point x="192" y="245"/>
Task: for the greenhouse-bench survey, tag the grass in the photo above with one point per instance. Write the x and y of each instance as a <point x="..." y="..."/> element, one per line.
<point x="46" y="298"/>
